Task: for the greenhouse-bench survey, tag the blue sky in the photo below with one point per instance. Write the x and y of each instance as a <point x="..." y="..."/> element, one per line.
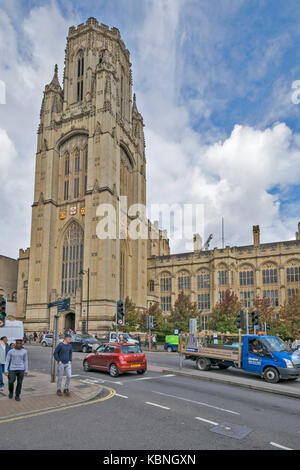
<point x="213" y="82"/>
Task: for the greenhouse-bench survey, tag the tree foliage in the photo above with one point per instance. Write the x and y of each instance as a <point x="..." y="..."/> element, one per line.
<point x="225" y="314"/>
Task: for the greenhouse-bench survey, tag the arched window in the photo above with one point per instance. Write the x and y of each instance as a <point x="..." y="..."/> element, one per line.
<point x="72" y="259"/>
<point x="80" y="73"/>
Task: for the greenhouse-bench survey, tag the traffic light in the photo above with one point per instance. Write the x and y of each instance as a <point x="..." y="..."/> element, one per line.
<point x="146" y="322"/>
<point x="2" y="311"/>
<point x="121" y="312"/>
<point x="268" y="327"/>
<point x="255" y="318"/>
<point x="154" y="322"/>
<point x="240" y="320"/>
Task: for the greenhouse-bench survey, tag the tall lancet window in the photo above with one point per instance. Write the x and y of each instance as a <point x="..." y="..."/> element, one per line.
<point x="72" y="259"/>
<point x="80" y="73"/>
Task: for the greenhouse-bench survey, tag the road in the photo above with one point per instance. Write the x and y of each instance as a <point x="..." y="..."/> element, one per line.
<point x="160" y="412"/>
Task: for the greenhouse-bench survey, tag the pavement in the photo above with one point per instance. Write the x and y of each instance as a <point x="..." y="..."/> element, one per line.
<point x="279" y="388"/>
<point x="39" y="394"/>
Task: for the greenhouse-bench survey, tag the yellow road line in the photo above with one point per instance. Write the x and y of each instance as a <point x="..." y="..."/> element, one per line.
<point x="111" y="394"/>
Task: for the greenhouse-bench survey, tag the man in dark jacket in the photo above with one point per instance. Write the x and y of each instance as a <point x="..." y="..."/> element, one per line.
<point x="63" y="356"/>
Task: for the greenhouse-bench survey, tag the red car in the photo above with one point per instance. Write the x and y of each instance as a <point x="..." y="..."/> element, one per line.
<point x="116" y="358"/>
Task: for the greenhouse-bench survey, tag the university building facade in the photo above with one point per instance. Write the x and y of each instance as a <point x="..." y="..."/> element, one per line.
<point x="91" y="154"/>
<point x="264" y="270"/>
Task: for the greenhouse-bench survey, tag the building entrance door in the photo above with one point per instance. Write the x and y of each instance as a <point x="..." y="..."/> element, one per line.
<point x="70" y="322"/>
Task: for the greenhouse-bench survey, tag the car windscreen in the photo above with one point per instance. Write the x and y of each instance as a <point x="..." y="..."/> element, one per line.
<point x="130" y="349"/>
<point x="276" y="345"/>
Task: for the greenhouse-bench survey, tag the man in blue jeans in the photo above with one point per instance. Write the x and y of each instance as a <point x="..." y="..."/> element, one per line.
<point x="63" y="356"/>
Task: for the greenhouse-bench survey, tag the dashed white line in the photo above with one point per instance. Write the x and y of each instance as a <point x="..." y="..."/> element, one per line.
<point x="155" y="404"/>
<point x="121" y="396"/>
<point x="279" y="446"/>
<point x="207" y="421"/>
<point x="197" y="402"/>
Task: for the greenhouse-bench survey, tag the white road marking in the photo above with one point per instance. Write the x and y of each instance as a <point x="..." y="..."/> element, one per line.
<point x="279" y="446"/>
<point x="101" y="381"/>
<point x="155" y="404"/>
<point x="207" y="421"/>
<point x="75" y="375"/>
<point x="121" y="396"/>
<point x="197" y="403"/>
<point x="151" y="378"/>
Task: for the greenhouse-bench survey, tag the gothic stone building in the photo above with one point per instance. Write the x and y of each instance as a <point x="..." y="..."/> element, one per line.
<point x="90" y="151"/>
<point x="269" y="270"/>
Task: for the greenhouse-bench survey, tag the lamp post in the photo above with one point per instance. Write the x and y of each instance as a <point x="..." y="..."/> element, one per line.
<point x="82" y="273"/>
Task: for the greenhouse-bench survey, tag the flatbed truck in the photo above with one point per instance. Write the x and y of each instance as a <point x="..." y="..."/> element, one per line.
<point x="267" y="356"/>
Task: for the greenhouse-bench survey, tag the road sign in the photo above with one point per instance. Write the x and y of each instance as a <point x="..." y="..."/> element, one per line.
<point x="62" y="304"/>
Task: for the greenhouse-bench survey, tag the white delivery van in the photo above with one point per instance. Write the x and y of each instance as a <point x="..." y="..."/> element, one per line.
<point x="13" y="330"/>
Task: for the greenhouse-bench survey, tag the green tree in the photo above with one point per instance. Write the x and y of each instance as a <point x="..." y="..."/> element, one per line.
<point x="289" y="318"/>
<point x="265" y="310"/>
<point x="225" y="314"/>
<point x="181" y="313"/>
<point x="133" y="317"/>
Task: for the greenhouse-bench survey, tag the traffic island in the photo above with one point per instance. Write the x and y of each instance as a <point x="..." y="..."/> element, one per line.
<point x="39" y="395"/>
<point x="288" y="389"/>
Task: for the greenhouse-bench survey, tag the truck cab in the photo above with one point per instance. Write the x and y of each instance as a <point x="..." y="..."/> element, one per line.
<point x="270" y="357"/>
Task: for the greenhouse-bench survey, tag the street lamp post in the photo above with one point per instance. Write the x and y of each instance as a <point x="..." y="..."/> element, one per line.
<point x="82" y="273"/>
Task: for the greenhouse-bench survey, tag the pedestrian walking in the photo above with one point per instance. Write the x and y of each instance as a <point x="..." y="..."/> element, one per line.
<point x="17" y="364"/>
<point x="4" y="348"/>
<point x="63" y="356"/>
<point x="154" y="342"/>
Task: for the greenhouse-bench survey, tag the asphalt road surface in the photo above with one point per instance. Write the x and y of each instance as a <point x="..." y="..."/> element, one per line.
<point x="160" y="412"/>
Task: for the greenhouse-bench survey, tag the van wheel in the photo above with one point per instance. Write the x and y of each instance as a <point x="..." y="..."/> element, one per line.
<point x="86" y="366"/>
<point x="44" y="344"/>
<point x="271" y="375"/>
<point x="203" y="363"/>
<point x="169" y="349"/>
<point x="113" y="370"/>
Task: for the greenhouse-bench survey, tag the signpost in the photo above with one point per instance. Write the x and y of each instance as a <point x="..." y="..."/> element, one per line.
<point x="63" y="305"/>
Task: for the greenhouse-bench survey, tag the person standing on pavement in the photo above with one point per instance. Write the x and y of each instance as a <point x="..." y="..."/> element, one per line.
<point x="17" y="363"/>
<point x="63" y="356"/>
<point x="4" y="348"/>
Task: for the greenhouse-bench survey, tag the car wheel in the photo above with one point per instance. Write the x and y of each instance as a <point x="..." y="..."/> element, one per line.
<point x="86" y="366"/>
<point x="140" y="372"/>
<point x="271" y="375"/>
<point x="169" y="349"/>
<point x="44" y="344"/>
<point x="84" y="349"/>
<point x="113" y="370"/>
<point x="203" y="363"/>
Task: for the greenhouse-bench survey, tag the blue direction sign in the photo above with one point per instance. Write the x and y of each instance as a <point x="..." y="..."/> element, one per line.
<point x="63" y="305"/>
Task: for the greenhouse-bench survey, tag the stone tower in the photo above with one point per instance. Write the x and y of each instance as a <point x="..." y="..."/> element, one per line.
<point x="90" y="152"/>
